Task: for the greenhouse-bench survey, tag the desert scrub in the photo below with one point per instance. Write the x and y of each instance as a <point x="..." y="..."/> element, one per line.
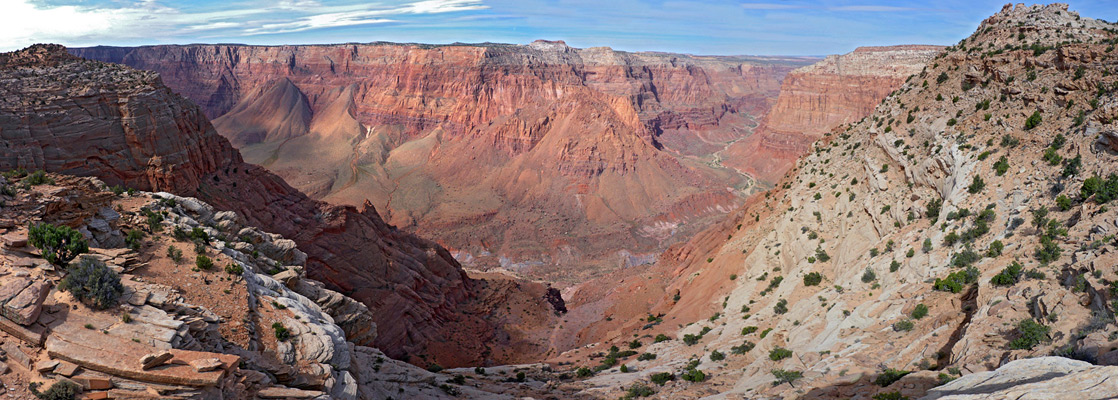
<point x="1030" y="333"/>
<point x="661" y="378"/>
<point x="920" y="311"/>
<point x="888" y="376"/>
<point x="58" y="244"/>
<point x="786" y="376"/>
<point x="92" y="282"/>
<point x="779" y="353"/>
<point x="203" y="262"/>
<point x="282" y="333"/>
<point x="174" y="254"/>
<point x="743" y="348"/>
<point x="813" y="279"/>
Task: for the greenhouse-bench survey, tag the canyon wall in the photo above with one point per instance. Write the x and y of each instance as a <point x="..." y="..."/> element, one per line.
<point x="523" y="156"/>
<point x="64" y="114"/>
<point x="819" y="97"/>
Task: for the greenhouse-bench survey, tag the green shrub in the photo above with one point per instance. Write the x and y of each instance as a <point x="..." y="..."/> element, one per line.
<point x="717" y="356"/>
<point x="920" y="311"/>
<point x="58" y="244"/>
<point x="60" y="390"/>
<point x="941" y="78"/>
<point x="646" y="357"/>
<point x="811" y="279"/>
<point x="660" y="378"/>
<point x="781" y="306"/>
<point x="927" y="246"/>
<point x="660" y="338"/>
<point x="134" y="239"/>
<point x="174" y="254"/>
<point x="638" y="390"/>
<point x="92" y="282"/>
<point x="1030" y="334"/>
<point x="821" y="255"/>
<point x="1051" y="156"/>
<point x="583" y="372"/>
<point x="976" y="185"/>
<point x="868" y="275"/>
<point x="1048" y="251"/>
<point x="203" y="262"/>
<point x="904" y="325"/>
<point x="1104" y="190"/>
<point x="693" y="375"/>
<point x="1008" y="276"/>
<point x="995" y="249"/>
<point x="747" y="330"/>
<point x="690" y="339"/>
<point x="786" y="376"/>
<point x="765" y="332"/>
<point x="1063" y="203"/>
<point x="282" y="333"/>
<point x="895" y="265"/>
<point x="1001" y="166"/>
<point x="743" y="348"/>
<point x="154" y="219"/>
<point x="955" y="281"/>
<point x="779" y="353"/>
<point x="38" y="178"/>
<point x="933" y="208"/>
<point x="433" y="367"/>
<point x="1033" y="120"/>
<point x="887" y="377"/>
<point x="234" y="269"/>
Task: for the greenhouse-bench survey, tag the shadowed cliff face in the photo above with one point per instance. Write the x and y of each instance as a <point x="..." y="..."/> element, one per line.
<point x="74" y="116"/>
<point x="520" y="156"/>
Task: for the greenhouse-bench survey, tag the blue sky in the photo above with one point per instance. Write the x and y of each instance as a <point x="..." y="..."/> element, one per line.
<point x="757" y="27"/>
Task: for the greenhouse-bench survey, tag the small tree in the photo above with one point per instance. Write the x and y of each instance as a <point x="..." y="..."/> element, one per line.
<point x="59" y="244"/>
<point x="813" y="279"/>
<point x="785" y="376"/>
<point x="92" y="281"/>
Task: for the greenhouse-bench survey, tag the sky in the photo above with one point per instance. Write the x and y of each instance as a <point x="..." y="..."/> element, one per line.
<point x="709" y="27"/>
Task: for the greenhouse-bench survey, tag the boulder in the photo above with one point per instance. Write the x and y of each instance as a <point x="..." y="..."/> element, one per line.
<point x="206" y="364"/>
<point x="155" y="359"/>
<point x="45" y="366"/>
<point x="24" y="308"/>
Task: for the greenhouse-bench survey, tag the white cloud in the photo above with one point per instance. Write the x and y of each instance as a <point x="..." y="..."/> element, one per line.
<point x="25" y="22"/>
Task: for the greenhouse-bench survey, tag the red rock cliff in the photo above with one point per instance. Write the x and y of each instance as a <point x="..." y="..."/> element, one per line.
<point x="817" y="98"/>
<point x="540" y="152"/>
<point x="74" y="116"/>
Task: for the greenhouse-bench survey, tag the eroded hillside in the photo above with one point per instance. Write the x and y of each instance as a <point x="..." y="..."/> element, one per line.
<point x="966" y="223"/>
<point x="525" y="157"/>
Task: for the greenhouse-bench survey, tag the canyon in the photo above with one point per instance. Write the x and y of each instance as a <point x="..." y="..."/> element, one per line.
<point x="68" y="115"/>
<point x="553" y="162"/>
<point x="892" y="223"/>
